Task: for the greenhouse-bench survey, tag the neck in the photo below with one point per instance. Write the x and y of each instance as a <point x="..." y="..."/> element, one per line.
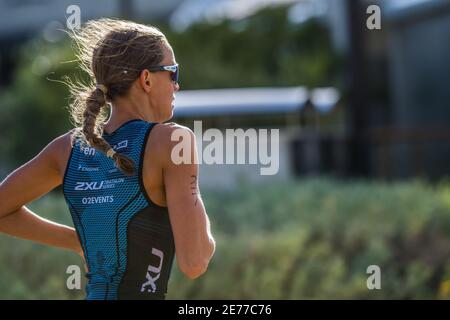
<point x="124" y="109"/>
<point x="120" y="116"/>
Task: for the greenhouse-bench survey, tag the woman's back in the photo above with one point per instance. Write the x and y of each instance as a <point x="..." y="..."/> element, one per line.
<point x="127" y="239"/>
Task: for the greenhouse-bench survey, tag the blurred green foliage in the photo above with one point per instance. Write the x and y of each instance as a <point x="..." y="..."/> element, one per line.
<point x="306" y="239"/>
<point x="263" y="50"/>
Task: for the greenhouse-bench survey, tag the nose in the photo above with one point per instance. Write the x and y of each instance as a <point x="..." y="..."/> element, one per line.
<point x="177" y="86"/>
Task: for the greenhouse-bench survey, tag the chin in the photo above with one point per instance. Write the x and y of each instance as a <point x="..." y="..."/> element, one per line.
<point x="172" y="108"/>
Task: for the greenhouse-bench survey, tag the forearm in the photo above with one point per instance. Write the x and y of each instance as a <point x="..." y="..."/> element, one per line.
<point x="210" y="244"/>
<point x="25" y="224"/>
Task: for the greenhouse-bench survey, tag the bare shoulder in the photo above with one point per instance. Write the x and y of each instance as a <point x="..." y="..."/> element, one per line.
<point x="165" y="136"/>
<point x="166" y="131"/>
<point x="58" y="150"/>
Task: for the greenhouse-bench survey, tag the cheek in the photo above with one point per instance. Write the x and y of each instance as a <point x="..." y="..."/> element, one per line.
<point x="168" y="92"/>
<point x="164" y="91"/>
<point x="165" y="98"/>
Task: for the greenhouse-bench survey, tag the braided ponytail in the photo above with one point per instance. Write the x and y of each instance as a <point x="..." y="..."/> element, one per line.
<point x="94" y="103"/>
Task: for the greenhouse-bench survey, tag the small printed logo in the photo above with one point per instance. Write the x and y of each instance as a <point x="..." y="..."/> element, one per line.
<point x="150" y="284"/>
<point x="120" y="145"/>
<point x="87" y="169"/>
<point x="89" y="151"/>
<point x="82" y="186"/>
<point x="98" y="185"/>
<point x="97" y="200"/>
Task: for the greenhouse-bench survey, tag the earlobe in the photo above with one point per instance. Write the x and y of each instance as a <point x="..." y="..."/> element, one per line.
<point x="148" y="86"/>
<point x="146" y="82"/>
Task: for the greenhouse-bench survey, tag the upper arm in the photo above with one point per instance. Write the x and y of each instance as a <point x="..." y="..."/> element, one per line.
<point x="187" y="213"/>
<point x="33" y="179"/>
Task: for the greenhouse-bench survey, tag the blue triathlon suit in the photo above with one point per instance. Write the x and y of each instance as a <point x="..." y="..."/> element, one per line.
<point x="126" y="238"/>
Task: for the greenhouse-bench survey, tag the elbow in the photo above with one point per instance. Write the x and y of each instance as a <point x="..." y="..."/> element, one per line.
<point x="193" y="270"/>
<point x="4" y="214"/>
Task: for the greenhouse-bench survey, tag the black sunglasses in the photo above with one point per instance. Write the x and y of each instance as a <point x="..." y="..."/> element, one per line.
<point x="174" y="69"/>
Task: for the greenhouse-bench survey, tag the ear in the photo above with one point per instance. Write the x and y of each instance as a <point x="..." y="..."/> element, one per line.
<point x="146" y="80"/>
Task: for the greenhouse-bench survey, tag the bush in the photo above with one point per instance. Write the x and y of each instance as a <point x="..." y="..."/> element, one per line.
<point x="314" y="239"/>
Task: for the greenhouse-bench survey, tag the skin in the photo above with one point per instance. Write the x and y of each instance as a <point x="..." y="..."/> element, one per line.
<point x="150" y="98"/>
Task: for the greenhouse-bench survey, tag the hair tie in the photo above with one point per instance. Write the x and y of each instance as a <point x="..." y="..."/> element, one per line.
<point x="110" y="153"/>
<point x="102" y="88"/>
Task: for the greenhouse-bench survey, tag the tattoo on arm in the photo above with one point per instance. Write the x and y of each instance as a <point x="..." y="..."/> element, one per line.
<point x="194" y="190"/>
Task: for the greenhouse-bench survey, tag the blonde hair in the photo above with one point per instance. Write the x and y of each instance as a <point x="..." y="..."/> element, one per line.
<point x="113" y="53"/>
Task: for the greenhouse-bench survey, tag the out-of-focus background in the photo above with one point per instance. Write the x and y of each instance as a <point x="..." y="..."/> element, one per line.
<point x="364" y="120"/>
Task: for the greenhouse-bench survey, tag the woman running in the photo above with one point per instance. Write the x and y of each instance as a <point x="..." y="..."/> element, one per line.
<point x="133" y="208"/>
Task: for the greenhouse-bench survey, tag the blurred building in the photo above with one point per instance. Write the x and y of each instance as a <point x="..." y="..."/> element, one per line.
<point x="196" y="11"/>
<point x="404" y="76"/>
<point x="26" y="17"/>
<point x="417" y="140"/>
<point x="311" y="136"/>
<point x="396" y="118"/>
